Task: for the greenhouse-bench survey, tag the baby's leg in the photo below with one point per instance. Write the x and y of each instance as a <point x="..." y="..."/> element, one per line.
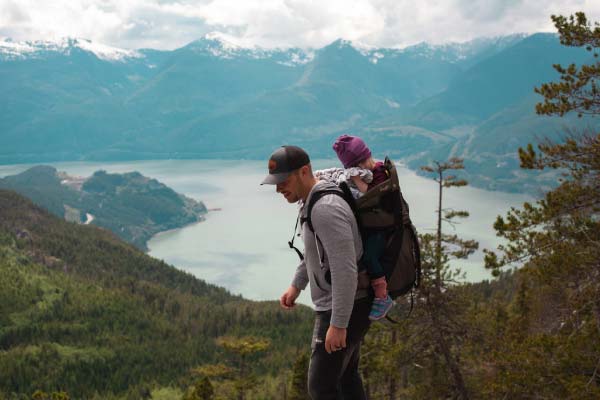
<point x="374" y="247"/>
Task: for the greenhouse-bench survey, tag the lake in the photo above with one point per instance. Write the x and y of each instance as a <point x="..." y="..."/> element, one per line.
<point x="243" y="246"/>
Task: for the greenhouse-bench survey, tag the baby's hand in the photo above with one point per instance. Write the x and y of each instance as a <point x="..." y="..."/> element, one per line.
<point x="360" y="184"/>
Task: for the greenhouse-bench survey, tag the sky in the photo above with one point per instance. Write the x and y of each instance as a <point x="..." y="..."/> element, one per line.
<point x="169" y="24"/>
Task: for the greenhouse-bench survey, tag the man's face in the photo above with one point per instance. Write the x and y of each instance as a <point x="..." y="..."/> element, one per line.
<point x="290" y="188"/>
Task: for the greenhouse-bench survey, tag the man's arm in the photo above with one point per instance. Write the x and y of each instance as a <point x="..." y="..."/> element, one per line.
<point x="301" y="276"/>
<point x="333" y="222"/>
<point x="288" y="298"/>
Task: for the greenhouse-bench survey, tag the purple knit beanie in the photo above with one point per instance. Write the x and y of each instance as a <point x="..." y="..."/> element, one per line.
<point x="351" y="150"/>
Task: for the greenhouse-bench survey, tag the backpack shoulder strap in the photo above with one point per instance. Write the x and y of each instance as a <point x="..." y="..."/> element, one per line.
<point x="343" y="191"/>
<point x="313" y="200"/>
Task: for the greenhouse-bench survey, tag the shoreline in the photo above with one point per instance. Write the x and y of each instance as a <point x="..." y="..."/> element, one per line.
<point x="8" y="168"/>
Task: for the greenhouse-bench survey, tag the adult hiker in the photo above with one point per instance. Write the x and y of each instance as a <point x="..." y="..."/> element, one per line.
<point x="330" y="267"/>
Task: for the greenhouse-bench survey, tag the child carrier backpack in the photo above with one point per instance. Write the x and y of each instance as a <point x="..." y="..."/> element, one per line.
<point x="381" y="209"/>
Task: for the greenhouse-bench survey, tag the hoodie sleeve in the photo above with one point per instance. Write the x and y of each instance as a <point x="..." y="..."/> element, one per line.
<point x="301" y="277"/>
<point x="332" y="220"/>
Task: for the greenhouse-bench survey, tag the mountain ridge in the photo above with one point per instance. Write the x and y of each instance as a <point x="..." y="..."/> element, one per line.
<point x="192" y="104"/>
<point x="219" y="41"/>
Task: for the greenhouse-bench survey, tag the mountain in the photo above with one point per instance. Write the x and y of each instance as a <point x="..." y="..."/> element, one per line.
<point x="83" y="312"/>
<point x="467" y="54"/>
<point x="76" y="100"/>
<point x="63" y="99"/>
<point x="131" y="205"/>
<point x="498" y="82"/>
<point x="492" y="104"/>
<point x="41" y="49"/>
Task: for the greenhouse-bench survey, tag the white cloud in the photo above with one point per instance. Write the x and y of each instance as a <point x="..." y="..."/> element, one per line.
<point x="169" y="24"/>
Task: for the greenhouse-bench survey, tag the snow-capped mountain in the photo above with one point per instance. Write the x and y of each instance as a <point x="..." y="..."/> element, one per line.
<point x="10" y="50"/>
<point x="76" y="99"/>
<point x="219" y="45"/>
<point x="464" y="54"/>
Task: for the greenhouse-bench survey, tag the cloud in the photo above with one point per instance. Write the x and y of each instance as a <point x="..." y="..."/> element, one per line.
<point x="11" y="11"/>
<point x="168" y="24"/>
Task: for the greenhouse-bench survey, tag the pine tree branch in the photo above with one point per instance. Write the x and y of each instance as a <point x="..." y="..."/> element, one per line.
<point x="593" y="378"/>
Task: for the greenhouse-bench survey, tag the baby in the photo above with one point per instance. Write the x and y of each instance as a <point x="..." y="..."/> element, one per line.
<point x="362" y="173"/>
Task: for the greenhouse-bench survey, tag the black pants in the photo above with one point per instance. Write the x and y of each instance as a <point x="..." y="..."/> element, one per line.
<point x="335" y="376"/>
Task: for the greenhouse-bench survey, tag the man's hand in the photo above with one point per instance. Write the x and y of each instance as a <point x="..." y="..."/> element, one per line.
<point x="288" y="299"/>
<point x="335" y="339"/>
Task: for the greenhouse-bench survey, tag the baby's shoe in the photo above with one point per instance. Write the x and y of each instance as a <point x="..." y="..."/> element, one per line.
<point x="380" y="308"/>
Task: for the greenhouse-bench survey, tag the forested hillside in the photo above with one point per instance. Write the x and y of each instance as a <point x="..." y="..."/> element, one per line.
<point x="85" y="313"/>
<point x="131" y="205"/>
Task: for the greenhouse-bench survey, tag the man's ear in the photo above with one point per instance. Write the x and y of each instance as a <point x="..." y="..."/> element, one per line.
<point x="304" y="171"/>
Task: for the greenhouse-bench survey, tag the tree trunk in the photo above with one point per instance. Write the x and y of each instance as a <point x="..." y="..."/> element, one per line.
<point x="392" y="389"/>
<point x="457" y="377"/>
<point x="438" y="244"/>
<point x="392" y="383"/>
<point x="367" y="383"/>
<point x="241" y="389"/>
<point x="404" y="377"/>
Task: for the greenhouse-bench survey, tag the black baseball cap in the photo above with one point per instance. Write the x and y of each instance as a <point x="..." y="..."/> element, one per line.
<point x="283" y="162"/>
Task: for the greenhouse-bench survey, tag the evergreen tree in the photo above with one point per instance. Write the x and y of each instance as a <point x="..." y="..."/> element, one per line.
<point x="386" y="356"/>
<point x="41" y="395"/>
<point x="202" y="390"/>
<point x="578" y="88"/>
<point x="420" y="357"/>
<point x="299" y="385"/>
<point x="443" y="306"/>
<point x="242" y="350"/>
<point x="557" y="242"/>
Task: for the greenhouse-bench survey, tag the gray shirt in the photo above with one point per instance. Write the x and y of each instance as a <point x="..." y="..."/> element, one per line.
<point x="341" y="245"/>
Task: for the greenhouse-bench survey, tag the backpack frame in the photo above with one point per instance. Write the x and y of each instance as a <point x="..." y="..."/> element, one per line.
<point x="381" y="209"/>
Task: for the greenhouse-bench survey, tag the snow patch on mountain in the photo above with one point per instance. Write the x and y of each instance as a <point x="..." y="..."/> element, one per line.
<point x="14" y="50"/>
<point x="107" y="53"/>
<point x="218" y="45"/>
<point x="221" y="45"/>
<point x="376" y="56"/>
<point x="455" y="52"/>
<point x="296" y="57"/>
<point x="362" y="48"/>
<point x="224" y="41"/>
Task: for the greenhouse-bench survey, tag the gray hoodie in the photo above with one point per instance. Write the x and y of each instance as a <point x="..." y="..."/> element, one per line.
<point x="341" y="246"/>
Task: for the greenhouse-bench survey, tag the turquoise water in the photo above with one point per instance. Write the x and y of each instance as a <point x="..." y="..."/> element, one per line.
<point x="243" y="246"/>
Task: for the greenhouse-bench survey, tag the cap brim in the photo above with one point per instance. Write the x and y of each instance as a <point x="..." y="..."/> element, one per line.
<point x="274" y="179"/>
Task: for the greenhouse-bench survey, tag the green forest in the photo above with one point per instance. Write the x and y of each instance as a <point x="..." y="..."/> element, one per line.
<point x="84" y="315"/>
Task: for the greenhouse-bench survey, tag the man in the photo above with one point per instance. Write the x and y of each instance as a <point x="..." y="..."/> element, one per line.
<point x="330" y="267"/>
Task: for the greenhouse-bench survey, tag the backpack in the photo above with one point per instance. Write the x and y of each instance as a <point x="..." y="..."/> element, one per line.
<point x="383" y="209"/>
